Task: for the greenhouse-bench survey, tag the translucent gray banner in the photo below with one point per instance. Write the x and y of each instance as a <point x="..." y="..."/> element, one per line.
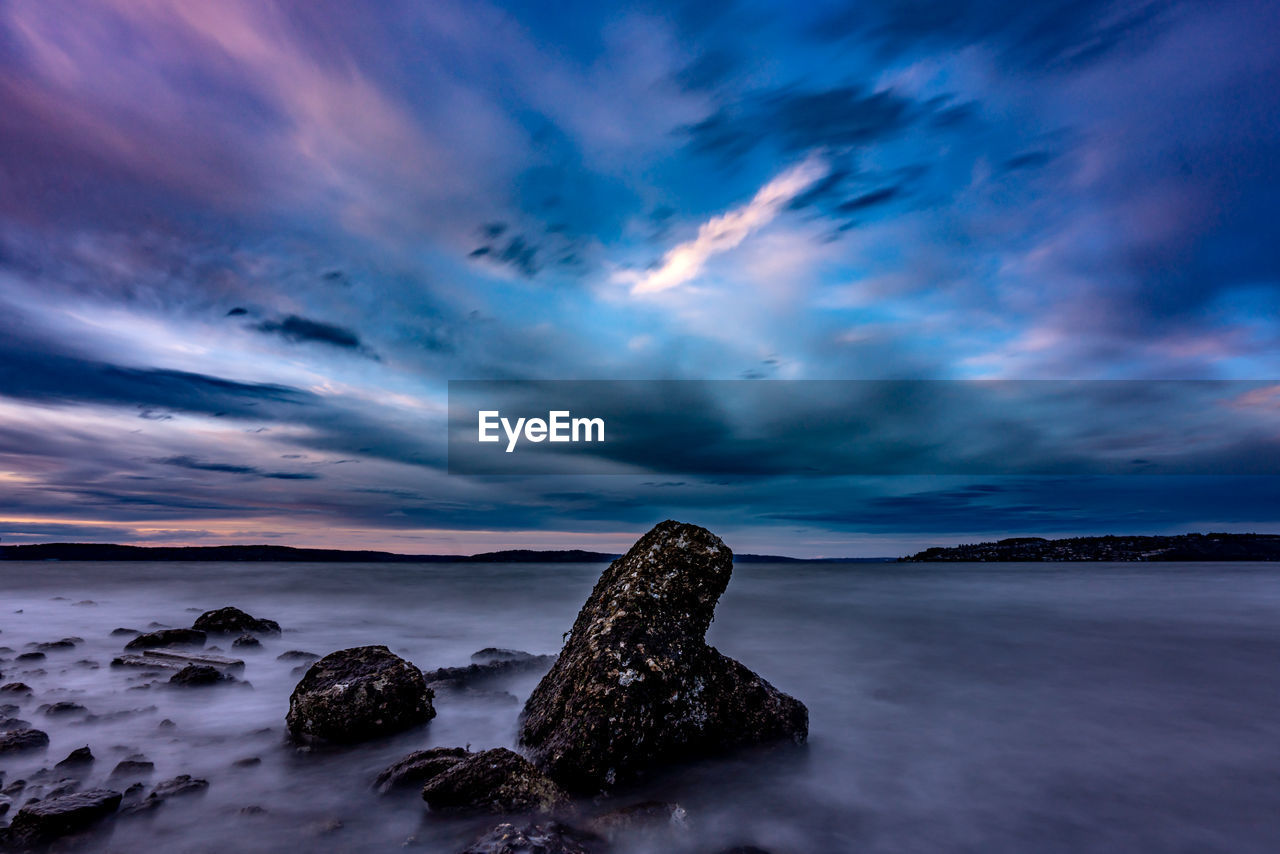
<point x="871" y="427"/>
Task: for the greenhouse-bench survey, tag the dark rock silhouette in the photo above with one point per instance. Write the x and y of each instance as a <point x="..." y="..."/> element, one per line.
<point x="637" y="687"/>
<point x="23" y="741"/>
<point x="78" y="758"/>
<point x="44" y="821"/>
<point x="418" y="767"/>
<point x="167" y="637"/>
<point x="194" y="675"/>
<point x="357" y="694"/>
<point x="233" y="621"/>
<point x="498" y="781"/>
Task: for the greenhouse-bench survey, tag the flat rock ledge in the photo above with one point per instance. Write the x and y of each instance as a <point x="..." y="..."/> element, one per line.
<point x="636" y="686"/>
<point x="44" y="821"/>
<point x="354" y="695"/>
<point x="493" y="781"/>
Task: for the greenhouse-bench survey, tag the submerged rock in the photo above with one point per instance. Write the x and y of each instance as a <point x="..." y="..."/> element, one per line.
<point x="417" y="767"/>
<point x="549" y="838"/>
<point x="194" y="675"/>
<point x="133" y="769"/>
<point x="233" y="621"/>
<point x="497" y="780"/>
<point x="44" y="821"/>
<point x="23" y="741"/>
<point x="297" y="655"/>
<point x="488" y="664"/>
<point x="183" y="784"/>
<point x="167" y="637"/>
<point x="647" y="818"/>
<point x="637" y="687"/>
<point x="78" y="758"/>
<point x="357" y="694"/>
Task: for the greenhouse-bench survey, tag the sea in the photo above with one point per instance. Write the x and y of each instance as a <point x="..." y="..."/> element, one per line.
<point x="984" y="708"/>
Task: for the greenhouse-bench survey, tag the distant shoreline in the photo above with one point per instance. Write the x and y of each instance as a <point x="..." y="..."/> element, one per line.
<point x="289" y="554"/>
<point x="1162" y="549"/>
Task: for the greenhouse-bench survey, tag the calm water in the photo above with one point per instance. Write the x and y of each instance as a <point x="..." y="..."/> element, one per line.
<point x="954" y="708"/>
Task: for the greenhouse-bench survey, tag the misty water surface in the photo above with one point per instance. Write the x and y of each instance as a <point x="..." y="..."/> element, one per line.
<point x="958" y="708"/>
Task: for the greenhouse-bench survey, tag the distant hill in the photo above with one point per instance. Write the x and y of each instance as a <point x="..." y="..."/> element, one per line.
<point x="110" y="551"/>
<point x="1180" y="547"/>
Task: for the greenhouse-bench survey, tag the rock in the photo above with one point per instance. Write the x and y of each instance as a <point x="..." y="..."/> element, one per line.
<point x="246" y="642"/>
<point x="9" y="724"/>
<point x="646" y="817"/>
<point x="194" y="675"/>
<point x="637" y="687"/>
<point x="15" y="688"/>
<point x="549" y="838"/>
<point x="27" y="657"/>
<point x="183" y="784"/>
<point x="122" y="632"/>
<point x="252" y="809"/>
<point x="475" y="673"/>
<point x="78" y="758"/>
<point x="166" y="724"/>
<point x="247" y="762"/>
<point x="62" y="708"/>
<point x="142" y="806"/>
<point x="167" y="637"/>
<point x="357" y="694"/>
<point x="743" y="849"/>
<point x="417" y="767"/>
<point x="23" y="741"/>
<point x="233" y="621"/>
<point x="297" y="655"/>
<point x="55" y="646"/>
<point x="49" y="819"/>
<point x="497" y="780"/>
<point x="132" y="769"/>
<point x="493" y="655"/>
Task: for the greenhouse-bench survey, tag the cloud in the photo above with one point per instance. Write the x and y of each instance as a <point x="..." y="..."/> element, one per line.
<point x="797" y="120"/>
<point x="722" y="233"/>
<point x="187" y="462"/>
<point x="304" y="330"/>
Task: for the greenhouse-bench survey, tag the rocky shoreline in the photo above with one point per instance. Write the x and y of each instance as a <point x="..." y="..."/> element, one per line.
<point x="635" y="690"/>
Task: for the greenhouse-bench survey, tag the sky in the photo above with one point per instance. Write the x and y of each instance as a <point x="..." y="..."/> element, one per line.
<point x="245" y="245"/>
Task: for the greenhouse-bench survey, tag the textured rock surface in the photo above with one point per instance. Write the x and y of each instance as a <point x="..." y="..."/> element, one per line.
<point x="233" y="621"/>
<point x="22" y="741"/>
<point x="167" y="637"/>
<point x="194" y="675"/>
<point x="495" y="780"/>
<point x="550" y="838"/>
<point x="418" y="767"/>
<point x="636" y="686"/>
<point x="44" y="821"/>
<point x="357" y="694"/>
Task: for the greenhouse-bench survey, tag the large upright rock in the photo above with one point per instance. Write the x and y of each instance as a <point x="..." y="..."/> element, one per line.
<point x="357" y="694"/>
<point x="636" y="686"/>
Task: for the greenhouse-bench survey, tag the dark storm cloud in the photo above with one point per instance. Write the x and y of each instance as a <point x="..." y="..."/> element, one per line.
<point x="187" y="462"/>
<point x="30" y="370"/>
<point x="301" y="330"/>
